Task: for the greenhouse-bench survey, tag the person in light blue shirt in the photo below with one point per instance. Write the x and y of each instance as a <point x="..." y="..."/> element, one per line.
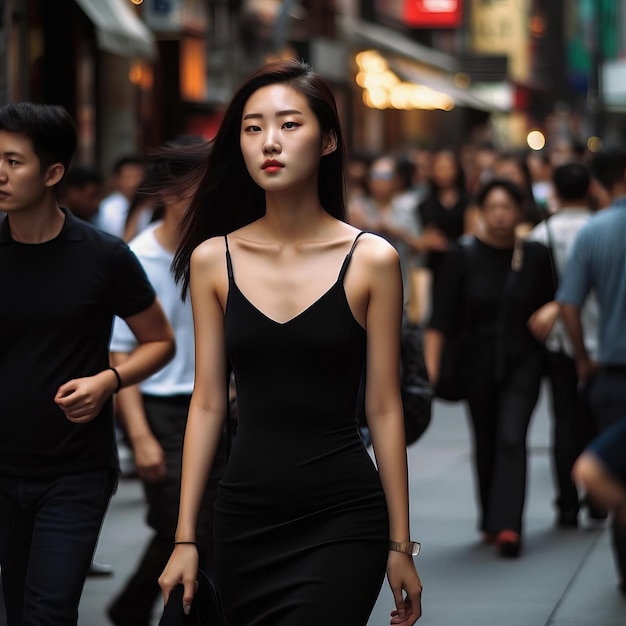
<point x="598" y="264"/>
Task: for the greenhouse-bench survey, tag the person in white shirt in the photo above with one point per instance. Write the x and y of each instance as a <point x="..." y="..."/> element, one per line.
<point x="572" y="421"/>
<point x="154" y="413"/>
<point x="128" y="173"/>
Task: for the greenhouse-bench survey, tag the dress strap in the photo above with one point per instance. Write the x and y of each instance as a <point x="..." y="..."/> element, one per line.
<point x="229" y="263"/>
<point x="346" y="261"/>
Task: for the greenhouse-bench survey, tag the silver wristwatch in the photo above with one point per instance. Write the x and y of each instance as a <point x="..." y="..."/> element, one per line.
<point x="408" y="547"/>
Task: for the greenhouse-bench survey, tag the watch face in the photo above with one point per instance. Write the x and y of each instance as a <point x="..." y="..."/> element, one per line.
<point x="415" y="548"/>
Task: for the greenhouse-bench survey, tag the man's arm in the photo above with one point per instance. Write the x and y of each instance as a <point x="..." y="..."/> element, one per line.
<point x="585" y="367"/>
<point x="148" y="453"/>
<point x="81" y="399"/>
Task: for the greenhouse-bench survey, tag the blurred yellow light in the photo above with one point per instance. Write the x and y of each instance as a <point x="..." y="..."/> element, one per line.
<point x="382" y="88"/>
<point x="594" y="144"/>
<point x="137" y="2"/>
<point x="536" y="140"/>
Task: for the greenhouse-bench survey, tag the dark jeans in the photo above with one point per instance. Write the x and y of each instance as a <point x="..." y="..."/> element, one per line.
<point x="606" y="394"/>
<point x="135" y="603"/>
<point x="48" y="534"/>
<point x="572" y="421"/>
<point x="500" y="412"/>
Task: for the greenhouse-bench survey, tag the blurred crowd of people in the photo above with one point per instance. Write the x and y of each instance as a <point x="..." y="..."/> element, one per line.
<point x="517" y="257"/>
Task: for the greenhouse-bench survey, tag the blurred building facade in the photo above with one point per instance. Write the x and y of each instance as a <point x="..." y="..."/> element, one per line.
<point x="405" y="72"/>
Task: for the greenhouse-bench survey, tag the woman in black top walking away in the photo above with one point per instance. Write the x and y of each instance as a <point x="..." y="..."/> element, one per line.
<point x="305" y="526"/>
<point x="489" y="289"/>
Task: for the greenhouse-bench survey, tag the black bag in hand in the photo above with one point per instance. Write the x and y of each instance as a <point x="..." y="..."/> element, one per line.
<point x="206" y="608"/>
<point x="414" y="386"/>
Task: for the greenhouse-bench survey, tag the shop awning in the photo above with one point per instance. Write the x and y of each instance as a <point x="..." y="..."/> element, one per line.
<point x="415" y="63"/>
<point x="361" y="33"/>
<point x="118" y="29"/>
<point x="445" y="83"/>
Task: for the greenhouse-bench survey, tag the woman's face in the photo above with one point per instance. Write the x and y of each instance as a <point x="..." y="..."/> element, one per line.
<point x="281" y="140"/>
<point x="501" y="213"/>
<point x="382" y="180"/>
<point x="444" y="170"/>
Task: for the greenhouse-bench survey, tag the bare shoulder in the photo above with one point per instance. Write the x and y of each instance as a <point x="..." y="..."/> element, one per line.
<point x="376" y="253"/>
<point x="209" y="256"/>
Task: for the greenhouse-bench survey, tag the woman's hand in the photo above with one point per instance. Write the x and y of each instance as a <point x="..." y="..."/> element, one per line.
<point x="181" y="568"/>
<point x="406" y="587"/>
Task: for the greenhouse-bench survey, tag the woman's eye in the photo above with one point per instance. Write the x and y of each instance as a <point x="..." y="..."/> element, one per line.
<point x="252" y="129"/>
<point x="291" y="125"/>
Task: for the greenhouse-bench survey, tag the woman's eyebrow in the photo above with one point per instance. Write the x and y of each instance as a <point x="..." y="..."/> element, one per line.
<point x="251" y="116"/>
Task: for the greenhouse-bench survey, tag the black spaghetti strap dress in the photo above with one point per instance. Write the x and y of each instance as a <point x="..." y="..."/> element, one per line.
<point x="301" y="525"/>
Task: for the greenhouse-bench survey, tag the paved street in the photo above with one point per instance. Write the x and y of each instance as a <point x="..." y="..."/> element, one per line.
<point x="564" y="578"/>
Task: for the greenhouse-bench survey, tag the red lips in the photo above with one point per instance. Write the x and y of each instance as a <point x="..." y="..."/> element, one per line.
<point x="271" y="163"/>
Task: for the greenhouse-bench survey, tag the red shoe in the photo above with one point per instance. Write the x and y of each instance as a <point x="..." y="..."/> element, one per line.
<point x="508" y="543"/>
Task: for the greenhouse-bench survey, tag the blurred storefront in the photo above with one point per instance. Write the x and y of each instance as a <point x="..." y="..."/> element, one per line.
<point x="182" y="101"/>
<point x="83" y="55"/>
<point x="410" y="85"/>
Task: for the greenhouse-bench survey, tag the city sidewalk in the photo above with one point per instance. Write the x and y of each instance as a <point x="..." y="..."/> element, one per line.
<point x="563" y="578"/>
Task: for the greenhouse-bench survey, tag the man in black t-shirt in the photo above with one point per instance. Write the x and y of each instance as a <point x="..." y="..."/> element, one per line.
<point x="61" y="283"/>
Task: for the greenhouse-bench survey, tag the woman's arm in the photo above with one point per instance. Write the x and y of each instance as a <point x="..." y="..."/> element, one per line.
<point x="206" y="412"/>
<point x="383" y="407"/>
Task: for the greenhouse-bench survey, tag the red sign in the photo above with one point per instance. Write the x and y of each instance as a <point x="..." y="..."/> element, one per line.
<point x="433" y="13"/>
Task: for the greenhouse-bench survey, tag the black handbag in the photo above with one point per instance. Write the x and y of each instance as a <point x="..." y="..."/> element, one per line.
<point x="415" y="388"/>
<point x="206" y="608"/>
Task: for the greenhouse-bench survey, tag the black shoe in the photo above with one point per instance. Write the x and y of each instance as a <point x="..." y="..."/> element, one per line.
<point x="508" y="544"/>
<point x="568" y="519"/>
<point x="99" y="570"/>
<point x="597" y="514"/>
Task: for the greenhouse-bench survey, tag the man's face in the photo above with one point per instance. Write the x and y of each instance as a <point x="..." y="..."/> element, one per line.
<point x="22" y="183"/>
<point x="83" y="201"/>
<point x="129" y="178"/>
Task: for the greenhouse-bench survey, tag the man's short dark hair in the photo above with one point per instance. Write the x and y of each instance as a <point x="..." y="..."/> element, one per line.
<point x="609" y="168"/>
<point x="516" y="194"/>
<point x="50" y="129"/>
<point x="571" y="182"/>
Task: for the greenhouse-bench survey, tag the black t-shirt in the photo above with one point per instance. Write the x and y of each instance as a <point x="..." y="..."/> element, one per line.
<point x="478" y="292"/>
<point x="449" y="220"/>
<point x="57" y="303"/>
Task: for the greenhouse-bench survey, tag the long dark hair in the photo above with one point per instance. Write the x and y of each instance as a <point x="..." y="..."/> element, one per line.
<point x="173" y="166"/>
<point x="227" y="198"/>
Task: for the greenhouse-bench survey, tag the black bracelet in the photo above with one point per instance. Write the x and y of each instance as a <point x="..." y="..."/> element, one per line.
<point x="182" y="543"/>
<point x="119" y="379"/>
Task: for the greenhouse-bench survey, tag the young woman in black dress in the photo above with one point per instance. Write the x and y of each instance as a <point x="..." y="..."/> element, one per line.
<point x="298" y="301"/>
<point x="489" y="289"/>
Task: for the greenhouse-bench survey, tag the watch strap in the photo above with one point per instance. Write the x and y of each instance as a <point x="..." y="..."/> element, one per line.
<point x="407" y="547"/>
